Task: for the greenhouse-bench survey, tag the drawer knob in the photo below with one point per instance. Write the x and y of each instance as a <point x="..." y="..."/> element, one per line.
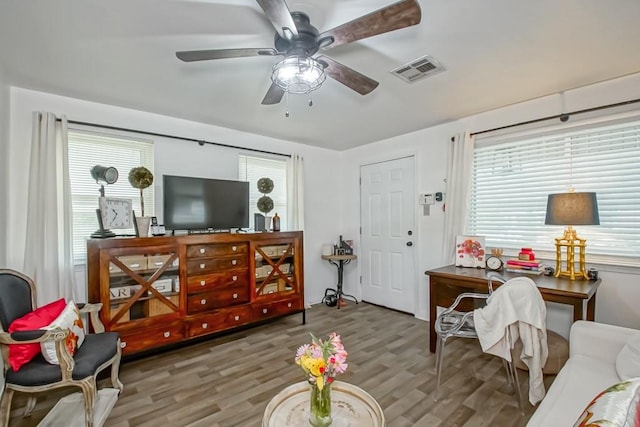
<point x="167" y="334"/>
<point x="202" y="265"/>
<point x="289" y="305"/>
<point x="234" y="278"/>
<point x="235" y="296"/>
<point x="203" y="301"/>
<point x="202" y="283"/>
<point x="234" y="248"/>
<point x="205" y="325"/>
<point x="158" y="263"/>
<point x="264" y="310"/>
<point x="202" y="250"/>
<point x="136" y="265"/>
<point x="237" y="318"/>
<point x="234" y="262"/>
<point x="123" y="344"/>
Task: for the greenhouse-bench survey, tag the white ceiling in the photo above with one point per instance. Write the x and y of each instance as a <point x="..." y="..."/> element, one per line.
<point x="496" y="53"/>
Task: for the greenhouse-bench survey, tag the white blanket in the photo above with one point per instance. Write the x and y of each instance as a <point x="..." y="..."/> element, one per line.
<point x="516" y="308"/>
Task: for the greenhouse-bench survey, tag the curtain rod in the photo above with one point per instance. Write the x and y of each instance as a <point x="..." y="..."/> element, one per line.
<point x="200" y="142"/>
<point x="563" y="116"/>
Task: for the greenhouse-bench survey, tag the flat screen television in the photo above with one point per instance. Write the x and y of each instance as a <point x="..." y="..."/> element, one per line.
<point x="205" y="204"/>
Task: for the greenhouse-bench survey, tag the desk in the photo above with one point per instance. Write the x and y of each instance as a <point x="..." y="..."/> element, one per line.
<point x="350" y="406"/>
<point x="339" y="261"/>
<point x="446" y="283"/>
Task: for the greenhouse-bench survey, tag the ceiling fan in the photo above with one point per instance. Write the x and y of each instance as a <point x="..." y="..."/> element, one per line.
<point x="298" y="41"/>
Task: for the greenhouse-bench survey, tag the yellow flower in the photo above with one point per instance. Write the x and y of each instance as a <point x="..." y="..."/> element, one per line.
<point x="314" y="366"/>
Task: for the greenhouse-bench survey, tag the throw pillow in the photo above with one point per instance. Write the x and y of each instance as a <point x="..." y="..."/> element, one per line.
<point x="19" y="354"/>
<point x="617" y="406"/>
<point x="68" y="319"/>
<point x="628" y="360"/>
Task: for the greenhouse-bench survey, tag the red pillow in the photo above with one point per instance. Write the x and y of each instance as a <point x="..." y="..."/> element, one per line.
<point x="19" y="354"/>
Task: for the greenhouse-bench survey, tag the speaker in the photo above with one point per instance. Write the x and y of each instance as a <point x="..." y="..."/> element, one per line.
<point x="258" y="222"/>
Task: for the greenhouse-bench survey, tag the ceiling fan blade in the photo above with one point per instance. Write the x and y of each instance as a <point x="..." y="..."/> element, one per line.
<point x="402" y="14"/>
<point x="348" y="76"/>
<point x="205" y="55"/>
<point x="274" y="95"/>
<point x="280" y="16"/>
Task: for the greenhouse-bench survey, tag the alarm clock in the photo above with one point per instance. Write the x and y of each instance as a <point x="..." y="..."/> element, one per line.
<point x="494" y="263"/>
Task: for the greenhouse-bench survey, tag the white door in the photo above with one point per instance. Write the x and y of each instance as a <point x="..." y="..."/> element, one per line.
<point x="388" y="234"/>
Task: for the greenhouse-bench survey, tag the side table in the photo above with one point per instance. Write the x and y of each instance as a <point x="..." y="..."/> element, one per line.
<point x="339" y="261"/>
<point x="350" y="406"/>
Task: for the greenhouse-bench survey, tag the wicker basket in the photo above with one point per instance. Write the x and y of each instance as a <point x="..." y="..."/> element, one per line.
<point x="155" y="307"/>
<point x="114" y="308"/>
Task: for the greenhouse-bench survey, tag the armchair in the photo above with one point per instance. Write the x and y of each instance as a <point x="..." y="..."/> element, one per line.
<point x="99" y="351"/>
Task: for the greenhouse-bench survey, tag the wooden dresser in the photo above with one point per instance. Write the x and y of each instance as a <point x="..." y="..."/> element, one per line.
<point x="158" y="291"/>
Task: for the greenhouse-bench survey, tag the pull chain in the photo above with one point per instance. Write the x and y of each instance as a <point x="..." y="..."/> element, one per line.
<point x="286" y="104"/>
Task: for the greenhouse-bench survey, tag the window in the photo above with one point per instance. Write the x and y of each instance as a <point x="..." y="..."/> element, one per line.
<point x="87" y="149"/>
<point x="251" y="169"/>
<point x="512" y="177"/>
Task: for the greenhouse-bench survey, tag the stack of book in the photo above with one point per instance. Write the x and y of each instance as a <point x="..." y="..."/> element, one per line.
<point x="527" y="267"/>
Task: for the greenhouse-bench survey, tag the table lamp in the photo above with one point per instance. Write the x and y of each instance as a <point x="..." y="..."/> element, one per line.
<point x="571" y="209"/>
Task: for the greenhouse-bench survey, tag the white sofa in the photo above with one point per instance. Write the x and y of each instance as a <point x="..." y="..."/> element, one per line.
<point x="591" y="368"/>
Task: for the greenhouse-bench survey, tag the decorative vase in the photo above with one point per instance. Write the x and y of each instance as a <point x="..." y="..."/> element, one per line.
<point x="320" y="406"/>
<point x="142" y="223"/>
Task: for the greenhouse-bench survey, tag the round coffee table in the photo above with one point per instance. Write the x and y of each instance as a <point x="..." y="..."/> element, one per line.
<point x="351" y="406"/>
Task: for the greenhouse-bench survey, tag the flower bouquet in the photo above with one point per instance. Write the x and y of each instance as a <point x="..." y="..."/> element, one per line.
<point x="322" y="361"/>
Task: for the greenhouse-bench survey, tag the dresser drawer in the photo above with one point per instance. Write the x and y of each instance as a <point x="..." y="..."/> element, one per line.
<point x="146" y="338"/>
<point x="221" y="279"/>
<point x="266" y="310"/>
<point x="211" y="265"/>
<point x="215" y="250"/>
<point x="219" y="320"/>
<point x="211" y="300"/>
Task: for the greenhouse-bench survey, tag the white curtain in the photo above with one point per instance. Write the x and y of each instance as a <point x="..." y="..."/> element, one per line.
<point x="295" y="192"/>
<point x="458" y="184"/>
<point x="48" y="256"/>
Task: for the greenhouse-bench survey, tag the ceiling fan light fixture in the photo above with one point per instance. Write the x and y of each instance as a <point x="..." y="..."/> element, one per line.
<point x="298" y="74"/>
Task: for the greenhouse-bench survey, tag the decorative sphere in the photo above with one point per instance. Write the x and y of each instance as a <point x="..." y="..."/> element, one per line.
<point x="265" y="204"/>
<point x="140" y="177"/>
<point x="265" y="185"/>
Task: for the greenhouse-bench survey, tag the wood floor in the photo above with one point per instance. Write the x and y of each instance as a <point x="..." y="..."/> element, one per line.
<point x="228" y="381"/>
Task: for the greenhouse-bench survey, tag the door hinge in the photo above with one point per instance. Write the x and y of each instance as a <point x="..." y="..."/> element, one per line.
<point x="361" y="280"/>
<point x="360" y="229"/>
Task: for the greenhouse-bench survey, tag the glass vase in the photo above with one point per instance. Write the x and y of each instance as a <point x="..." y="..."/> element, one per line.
<point x="320" y="406"/>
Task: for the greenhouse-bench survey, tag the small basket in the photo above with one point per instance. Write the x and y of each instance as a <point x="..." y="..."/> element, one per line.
<point x="156" y="307"/>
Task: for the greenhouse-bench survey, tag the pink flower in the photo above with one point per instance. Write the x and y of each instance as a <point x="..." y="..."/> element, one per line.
<point x="301" y="351"/>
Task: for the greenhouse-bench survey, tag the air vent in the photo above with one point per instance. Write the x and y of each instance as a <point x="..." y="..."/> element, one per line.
<point x="418" y="69"/>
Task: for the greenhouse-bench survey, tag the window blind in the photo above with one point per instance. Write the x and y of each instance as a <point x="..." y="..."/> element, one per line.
<point x="253" y="168"/>
<point x="87" y="149"/>
<point x="512" y="178"/>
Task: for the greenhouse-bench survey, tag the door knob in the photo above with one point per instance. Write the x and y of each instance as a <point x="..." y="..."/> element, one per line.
<point x="409" y="243"/>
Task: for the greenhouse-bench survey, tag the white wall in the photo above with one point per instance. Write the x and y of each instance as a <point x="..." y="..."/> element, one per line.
<point x="181" y="158"/>
<point x="4" y="144"/>
<point x="619" y="294"/>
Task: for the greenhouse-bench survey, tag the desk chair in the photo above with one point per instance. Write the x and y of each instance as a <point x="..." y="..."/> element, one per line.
<point x="99" y="351"/>
<point x="451" y="323"/>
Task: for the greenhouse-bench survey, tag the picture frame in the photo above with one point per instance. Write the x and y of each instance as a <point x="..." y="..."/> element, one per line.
<point x="470" y="251"/>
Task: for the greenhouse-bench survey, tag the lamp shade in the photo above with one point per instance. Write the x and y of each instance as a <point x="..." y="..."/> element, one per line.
<point x="572" y="209"/>
<point x="298" y="74"/>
